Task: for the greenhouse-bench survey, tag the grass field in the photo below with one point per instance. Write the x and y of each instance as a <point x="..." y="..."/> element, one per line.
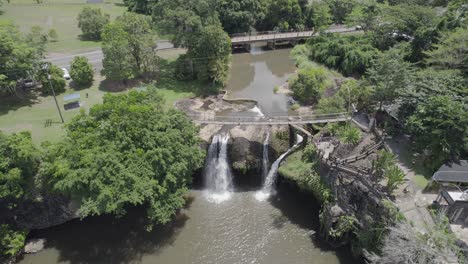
<point x="59" y="15"/>
<point x="31" y="110"/>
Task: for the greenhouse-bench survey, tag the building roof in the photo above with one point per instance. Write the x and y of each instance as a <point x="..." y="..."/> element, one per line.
<point x="453" y="172"/>
<point x="71" y="97"/>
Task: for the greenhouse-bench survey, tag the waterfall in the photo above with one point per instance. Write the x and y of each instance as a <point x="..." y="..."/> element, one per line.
<point x="258" y="111"/>
<point x="217" y="173"/>
<point x="267" y="188"/>
<point x="265" y="160"/>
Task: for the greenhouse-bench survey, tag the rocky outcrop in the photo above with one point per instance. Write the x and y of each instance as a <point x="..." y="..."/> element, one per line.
<point x="49" y="210"/>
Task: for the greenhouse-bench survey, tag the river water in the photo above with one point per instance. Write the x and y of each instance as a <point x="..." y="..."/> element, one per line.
<point x="240" y="229"/>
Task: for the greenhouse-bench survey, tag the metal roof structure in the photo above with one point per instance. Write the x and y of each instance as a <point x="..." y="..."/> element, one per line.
<point x="453" y="172"/>
<point x="71" y="97"/>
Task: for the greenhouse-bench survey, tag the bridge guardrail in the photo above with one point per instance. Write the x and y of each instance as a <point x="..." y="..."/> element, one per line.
<point x="211" y="118"/>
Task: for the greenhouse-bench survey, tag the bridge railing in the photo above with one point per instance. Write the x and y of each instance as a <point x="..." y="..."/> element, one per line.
<point x="212" y="118"/>
<point x="271" y="32"/>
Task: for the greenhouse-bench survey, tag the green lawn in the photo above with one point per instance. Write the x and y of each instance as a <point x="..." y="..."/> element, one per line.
<point x="59" y="15"/>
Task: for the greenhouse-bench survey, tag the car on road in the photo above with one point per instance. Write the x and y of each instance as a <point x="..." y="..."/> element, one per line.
<point x="66" y="75"/>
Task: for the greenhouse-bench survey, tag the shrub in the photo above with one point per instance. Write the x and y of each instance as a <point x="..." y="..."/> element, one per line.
<point x="331" y="105"/>
<point x="395" y="177"/>
<point x="295" y="106"/>
<point x="276" y="89"/>
<point x="309" y="85"/>
<point x="384" y="160"/>
<point x="11" y="241"/>
<point x="53" y="36"/>
<point x="349" y="135"/>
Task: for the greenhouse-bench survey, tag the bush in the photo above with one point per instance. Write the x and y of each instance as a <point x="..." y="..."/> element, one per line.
<point x="395" y="177"/>
<point x="331" y="105"/>
<point x="11" y="241"/>
<point x="276" y="89"/>
<point x="56" y="79"/>
<point x="295" y="106"/>
<point x="349" y="135"/>
<point x="81" y="71"/>
<point x="309" y="85"/>
<point x="91" y="22"/>
<point x="53" y="36"/>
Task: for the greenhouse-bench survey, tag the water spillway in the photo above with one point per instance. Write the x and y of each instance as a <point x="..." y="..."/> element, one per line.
<point x="217" y="172"/>
<point x="270" y="179"/>
<point x="265" y="159"/>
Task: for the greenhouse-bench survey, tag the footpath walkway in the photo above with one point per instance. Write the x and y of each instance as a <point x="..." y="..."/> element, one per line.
<point x="414" y="202"/>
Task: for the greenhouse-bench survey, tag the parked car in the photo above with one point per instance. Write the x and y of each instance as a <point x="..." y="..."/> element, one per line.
<point x="29" y="83"/>
<point x="66" y="75"/>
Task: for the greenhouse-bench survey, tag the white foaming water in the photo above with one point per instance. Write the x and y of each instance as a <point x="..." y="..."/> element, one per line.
<point x="267" y="188"/>
<point x="257" y="111"/>
<point x="217" y="173"/>
<point x="265" y="160"/>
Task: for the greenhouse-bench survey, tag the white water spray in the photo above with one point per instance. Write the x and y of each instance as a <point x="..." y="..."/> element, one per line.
<point x="265" y="160"/>
<point x="258" y="111"/>
<point x="267" y="188"/>
<point x="217" y="174"/>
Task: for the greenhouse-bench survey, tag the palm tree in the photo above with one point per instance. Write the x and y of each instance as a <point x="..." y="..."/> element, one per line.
<point x="395" y="177"/>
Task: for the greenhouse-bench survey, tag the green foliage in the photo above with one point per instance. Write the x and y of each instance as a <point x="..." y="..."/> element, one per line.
<point x="395" y="177"/>
<point x="117" y="63"/>
<point x="53" y="36"/>
<point x="38" y="39"/>
<point x="91" y="22"/>
<point x="56" y="81"/>
<point x="309" y="153"/>
<point x="366" y="15"/>
<point x="127" y="151"/>
<point x="346" y="225"/>
<point x="282" y="15"/>
<point x="309" y="84"/>
<point x="81" y="71"/>
<point x="19" y="160"/>
<point x="211" y="55"/>
<point x="276" y="89"/>
<point x="317" y="15"/>
<point x="348" y="54"/>
<point x="389" y="76"/>
<point x="11" y="241"/>
<point x="18" y="57"/>
<point x="240" y="16"/>
<point x="349" y="135"/>
<point x="451" y="52"/>
<point x="340" y="9"/>
<point x="129" y="48"/>
<point x="440" y="126"/>
<point x="356" y="93"/>
<point x="384" y="160"/>
<point x="299" y="167"/>
<point x="295" y="106"/>
<point x="331" y="105"/>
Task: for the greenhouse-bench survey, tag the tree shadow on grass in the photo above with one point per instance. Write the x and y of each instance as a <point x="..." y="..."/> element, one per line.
<point x="118" y="86"/>
<point x="21" y="99"/>
<point x="73" y="85"/>
<point x="106" y="239"/>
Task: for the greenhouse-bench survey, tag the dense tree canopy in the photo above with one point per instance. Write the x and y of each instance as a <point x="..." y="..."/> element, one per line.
<point x="19" y="160"/>
<point x="348" y="54"/>
<point x="309" y="85"/>
<point x="19" y="57"/>
<point x="91" y="21"/>
<point x="127" y="151"/>
<point x="440" y="125"/>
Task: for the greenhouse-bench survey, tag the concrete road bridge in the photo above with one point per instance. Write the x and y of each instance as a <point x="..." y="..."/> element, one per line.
<point x="206" y="118"/>
<point x="244" y="40"/>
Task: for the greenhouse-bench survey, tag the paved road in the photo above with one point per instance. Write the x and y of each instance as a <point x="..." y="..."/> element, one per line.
<point x="95" y="57"/>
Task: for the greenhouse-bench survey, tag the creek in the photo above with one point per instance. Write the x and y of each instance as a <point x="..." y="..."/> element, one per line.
<point x="221" y="223"/>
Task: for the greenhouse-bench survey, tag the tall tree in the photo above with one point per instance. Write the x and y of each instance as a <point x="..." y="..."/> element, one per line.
<point x="451" y="52"/>
<point x="340" y="9"/>
<point x="117" y="62"/>
<point x="81" y="71"/>
<point x="283" y="15"/>
<point x="91" y="21"/>
<point x="309" y="84"/>
<point x="240" y="16"/>
<point x="19" y="58"/>
<point x="51" y="78"/>
<point x="389" y="76"/>
<point x="317" y="15"/>
<point x="440" y="125"/>
<point x="126" y="152"/>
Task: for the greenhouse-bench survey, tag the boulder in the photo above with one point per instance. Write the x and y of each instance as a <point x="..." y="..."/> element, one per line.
<point x="34" y="245"/>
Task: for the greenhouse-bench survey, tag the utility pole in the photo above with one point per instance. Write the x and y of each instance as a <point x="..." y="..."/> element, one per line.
<point x="45" y="67"/>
